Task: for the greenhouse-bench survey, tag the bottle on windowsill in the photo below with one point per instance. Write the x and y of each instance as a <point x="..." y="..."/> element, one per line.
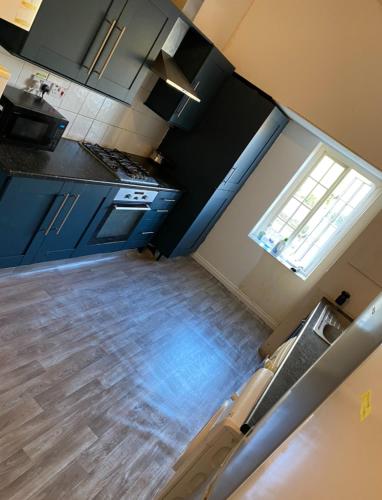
<point x="277" y="249"/>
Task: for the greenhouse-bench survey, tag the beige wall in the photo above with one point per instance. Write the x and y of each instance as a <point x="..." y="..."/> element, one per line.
<point x="219" y="19"/>
<point x="279" y="296"/>
<point x="322" y="59"/>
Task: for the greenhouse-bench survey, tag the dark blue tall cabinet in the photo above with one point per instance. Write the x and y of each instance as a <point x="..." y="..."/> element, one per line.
<point x="213" y="161"/>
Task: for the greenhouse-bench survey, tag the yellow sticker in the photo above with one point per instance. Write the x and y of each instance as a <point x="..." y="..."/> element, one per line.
<point x="365" y="409"/>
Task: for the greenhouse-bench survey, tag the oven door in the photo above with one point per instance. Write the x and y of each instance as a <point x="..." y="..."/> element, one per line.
<point x="119" y="222"/>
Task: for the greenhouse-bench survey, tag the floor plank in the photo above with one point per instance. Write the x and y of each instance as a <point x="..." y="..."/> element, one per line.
<point x="108" y="366"/>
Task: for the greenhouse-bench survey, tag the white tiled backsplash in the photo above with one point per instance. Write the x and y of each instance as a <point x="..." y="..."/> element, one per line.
<point x="94" y="117"/>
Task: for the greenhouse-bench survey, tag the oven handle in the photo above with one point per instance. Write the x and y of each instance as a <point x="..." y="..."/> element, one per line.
<point x="142" y="208"/>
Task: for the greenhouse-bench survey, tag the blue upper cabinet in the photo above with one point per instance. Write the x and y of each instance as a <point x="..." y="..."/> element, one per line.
<point x="104" y="44"/>
<point x="66" y="37"/>
<point x="137" y="37"/>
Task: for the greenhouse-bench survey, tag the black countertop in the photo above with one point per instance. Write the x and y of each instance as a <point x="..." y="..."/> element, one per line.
<point x="70" y="161"/>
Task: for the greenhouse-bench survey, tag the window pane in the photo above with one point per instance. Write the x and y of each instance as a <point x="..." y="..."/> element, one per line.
<point x="299" y="216"/>
<point x="289" y="209"/>
<point x="352" y="190"/>
<point x="358" y="197"/>
<point x="315" y="196"/>
<point x="328" y="233"/>
<point x="332" y="175"/>
<point x="322" y="167"/>
<point x="341" y="218"/>
<point x="286" y="232"/>
<point x="277" y="224"/>
<point x="309" y="257"/>
<point x="305" y="189"/>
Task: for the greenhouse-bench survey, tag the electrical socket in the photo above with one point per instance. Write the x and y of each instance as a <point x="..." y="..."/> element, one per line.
<point x="55" y="89"/>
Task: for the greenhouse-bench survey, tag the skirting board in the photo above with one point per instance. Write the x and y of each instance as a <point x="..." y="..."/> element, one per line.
<point x="235" y="290"/>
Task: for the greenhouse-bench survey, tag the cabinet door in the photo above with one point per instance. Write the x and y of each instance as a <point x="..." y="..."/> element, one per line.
<point x="148" y="227"/>
<point x="88" y="245"/>
<point x="203" y="224"/>
<point x="136" y="40"/>
<point x="255" y="151"/>
<point x="207" y="82"/>
<point x="80" y="203"/>
<point x="25" y="204"/>
<point x="67" y="36"/>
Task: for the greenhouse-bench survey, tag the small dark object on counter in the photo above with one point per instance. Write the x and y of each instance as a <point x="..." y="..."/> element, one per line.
<point x="342" y="298"/>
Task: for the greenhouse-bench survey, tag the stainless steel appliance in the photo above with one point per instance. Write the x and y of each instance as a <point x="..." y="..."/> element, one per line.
<point x="331" y="322"/>
<point x="127" y="210"/>
<point x="29" y="121"/>
<point x="126" y="167"/>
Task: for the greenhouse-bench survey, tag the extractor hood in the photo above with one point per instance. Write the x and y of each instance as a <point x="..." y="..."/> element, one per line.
<point x="167" y="69"/>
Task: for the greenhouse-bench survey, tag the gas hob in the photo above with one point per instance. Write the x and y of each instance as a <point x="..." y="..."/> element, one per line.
<point x="123" y="166"/>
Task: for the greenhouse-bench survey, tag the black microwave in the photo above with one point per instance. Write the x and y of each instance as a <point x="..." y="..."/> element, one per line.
<point x="29" y="121"/>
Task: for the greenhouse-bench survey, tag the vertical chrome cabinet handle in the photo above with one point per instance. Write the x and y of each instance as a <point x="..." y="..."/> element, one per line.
<point x="76" y="198"/>
<point x="112" y="52"/>
<point x="187" y="101"/>
<point x="57" y="214"/>
<point x="102" y="46"/>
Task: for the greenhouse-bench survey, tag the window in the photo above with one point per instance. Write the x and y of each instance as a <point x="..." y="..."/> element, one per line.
<point x="326" y="198"/>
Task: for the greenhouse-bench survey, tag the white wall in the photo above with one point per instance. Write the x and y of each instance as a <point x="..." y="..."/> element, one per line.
<point x="93" y="116"/>
<point x="276" y="293"/>
<point x="322" y="59"/>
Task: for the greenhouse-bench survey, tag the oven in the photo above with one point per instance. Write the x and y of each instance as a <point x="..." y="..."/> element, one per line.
<point x="122" y="217"/>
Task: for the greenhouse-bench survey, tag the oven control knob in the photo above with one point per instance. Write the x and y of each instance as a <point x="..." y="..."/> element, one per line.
<point x="144" y="197"/>
<point x="128" y="196"/>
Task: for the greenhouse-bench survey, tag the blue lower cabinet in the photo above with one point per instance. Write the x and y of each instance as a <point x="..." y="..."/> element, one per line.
<point x="150" y="224"/>
<point x="25" y="204"/>
<point x="42" y="220"/>
<point x="78" y="205"/>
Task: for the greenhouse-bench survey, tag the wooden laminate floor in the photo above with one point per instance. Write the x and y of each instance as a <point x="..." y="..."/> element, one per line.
<point x="108" y="367"/>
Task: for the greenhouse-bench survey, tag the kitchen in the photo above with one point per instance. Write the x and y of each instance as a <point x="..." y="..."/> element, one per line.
<point x="141" y="165"/>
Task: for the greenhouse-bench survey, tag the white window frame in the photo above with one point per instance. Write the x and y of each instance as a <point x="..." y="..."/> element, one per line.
<point x="303" y="172"/>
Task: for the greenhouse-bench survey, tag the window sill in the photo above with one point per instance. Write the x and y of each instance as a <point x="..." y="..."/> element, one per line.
<point x="278" y="258"/>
